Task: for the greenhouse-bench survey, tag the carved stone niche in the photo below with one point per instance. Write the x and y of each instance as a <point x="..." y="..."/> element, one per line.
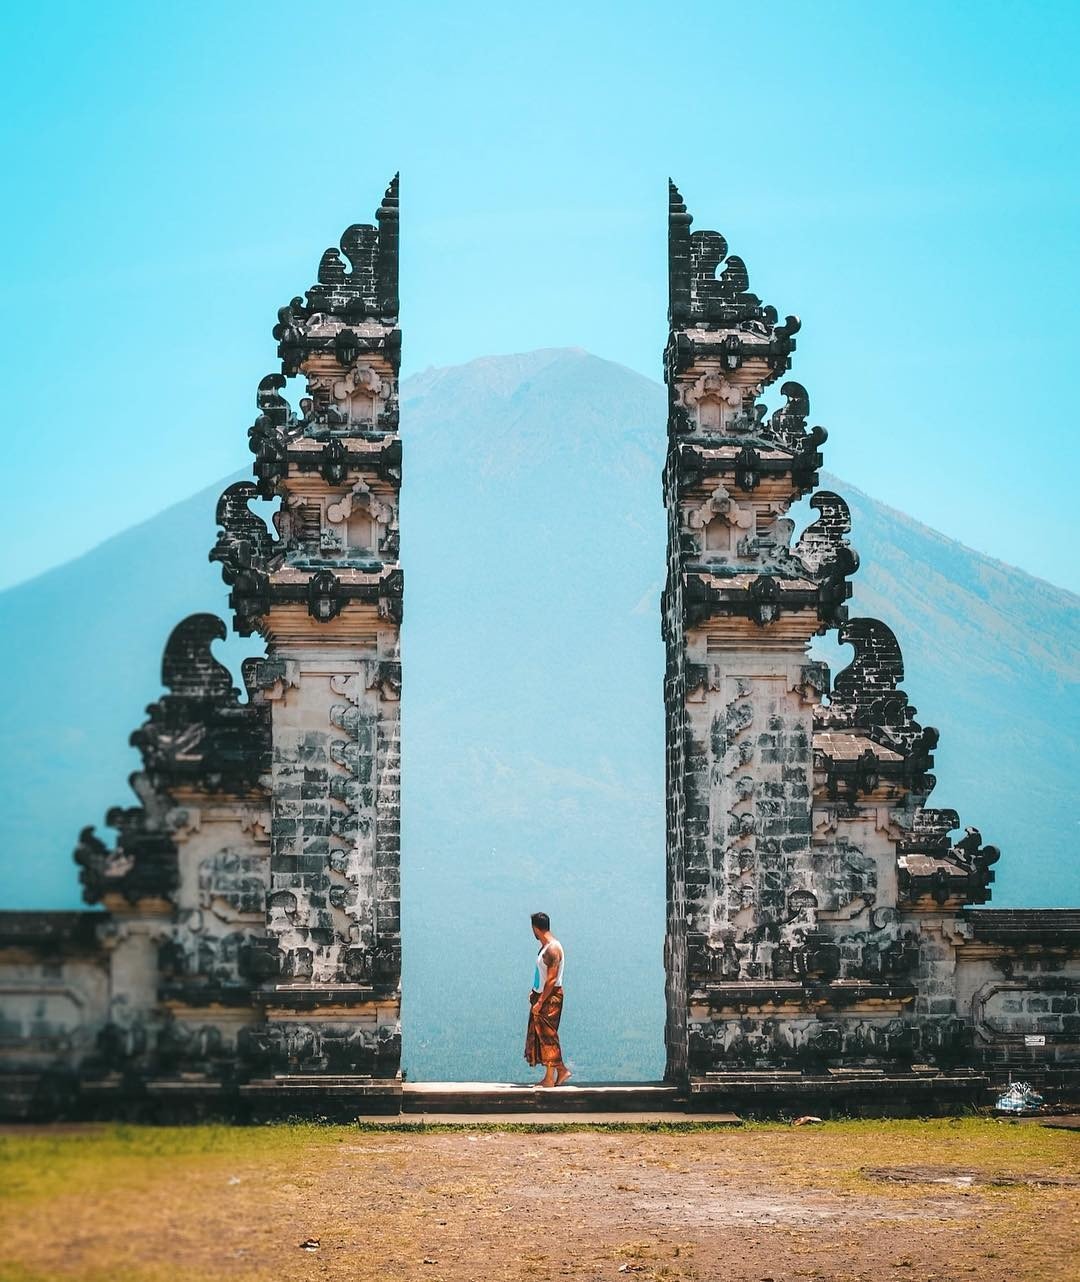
<point x="724" y="521"/>
<point x="361" y="394"/>
<point x="713" y="400"/>
<point x="353" y="397"/>
<point x="359" y="516"/>
<point x="1043" y="1006"/>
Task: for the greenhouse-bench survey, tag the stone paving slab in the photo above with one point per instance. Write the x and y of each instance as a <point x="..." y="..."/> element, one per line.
<point x="517" y="1097"/>
<point x="614" y="1120"/>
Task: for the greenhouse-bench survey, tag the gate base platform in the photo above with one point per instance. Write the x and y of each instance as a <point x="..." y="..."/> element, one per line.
<point x="506" y="1097"/>
<point x="836" y="1093"/>
<point x="713" y="1097"/>
<point x="610" y="1104"/>
<point x="319" y="1097"/>
<point x="843" y="1093"/>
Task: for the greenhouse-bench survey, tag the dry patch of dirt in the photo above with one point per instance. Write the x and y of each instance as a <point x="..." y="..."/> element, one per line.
<point x="961" y="1177"/>
<point x="744" y="1206"/>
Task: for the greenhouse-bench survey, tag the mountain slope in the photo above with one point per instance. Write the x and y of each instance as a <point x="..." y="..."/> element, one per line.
<point x="533" y="539"/>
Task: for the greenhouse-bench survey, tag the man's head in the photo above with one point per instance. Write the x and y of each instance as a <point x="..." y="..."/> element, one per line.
<point x="541" y="924"/>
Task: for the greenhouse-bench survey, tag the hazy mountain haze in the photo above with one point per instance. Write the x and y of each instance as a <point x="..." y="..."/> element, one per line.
<point x="533" y="545"/>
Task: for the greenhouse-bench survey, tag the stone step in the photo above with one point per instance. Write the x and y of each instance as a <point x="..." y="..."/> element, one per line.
<point x="544" y="1119"/>
<point x="913" y="1094"/>
<point x="316" y="1084"/>
<point x="329" y="1098"/>
<point x="509" y="1097"/>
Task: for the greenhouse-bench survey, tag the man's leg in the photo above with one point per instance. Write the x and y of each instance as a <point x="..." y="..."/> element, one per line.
<point x="532" y="1036"/>
<point x="544" y="1035"/>
<point x="548" y="1015"/>
<point x="562" y="1073"/>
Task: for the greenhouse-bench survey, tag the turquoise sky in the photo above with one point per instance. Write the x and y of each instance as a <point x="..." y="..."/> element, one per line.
<point x="901" y="176"/>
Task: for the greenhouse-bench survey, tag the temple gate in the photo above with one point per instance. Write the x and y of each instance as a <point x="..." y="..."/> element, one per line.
<point x="823" y="947"/>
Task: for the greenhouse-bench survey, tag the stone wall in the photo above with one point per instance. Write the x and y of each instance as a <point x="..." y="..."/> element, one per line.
<point x="54" y="997"/>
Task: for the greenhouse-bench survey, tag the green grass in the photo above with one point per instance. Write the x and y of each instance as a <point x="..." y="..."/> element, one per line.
<point x="42" y="1165"/>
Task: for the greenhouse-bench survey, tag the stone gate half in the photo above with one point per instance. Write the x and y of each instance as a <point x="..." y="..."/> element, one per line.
<point x="820" y="934"/>
<point x="250" y="948"/>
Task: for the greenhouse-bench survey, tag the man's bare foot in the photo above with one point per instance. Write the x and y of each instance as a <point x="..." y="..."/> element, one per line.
<point x="548" y="1080"/>
<point x="562" y="1075"/>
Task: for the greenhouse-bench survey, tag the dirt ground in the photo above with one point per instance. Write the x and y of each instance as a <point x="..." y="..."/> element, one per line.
<point x="936" y="1201"/>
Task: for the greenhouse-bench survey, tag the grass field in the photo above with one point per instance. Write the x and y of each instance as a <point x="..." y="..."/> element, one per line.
<point x="936" y="1200"/>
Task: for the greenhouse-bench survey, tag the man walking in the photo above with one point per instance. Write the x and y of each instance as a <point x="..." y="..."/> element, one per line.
<point x="545" y="1005"/>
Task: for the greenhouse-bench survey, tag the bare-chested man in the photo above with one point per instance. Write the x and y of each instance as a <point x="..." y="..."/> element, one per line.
<point x="545" y="1005"/>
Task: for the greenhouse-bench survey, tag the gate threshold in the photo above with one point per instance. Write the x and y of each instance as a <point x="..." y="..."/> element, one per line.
<point x="632" y="1103"/>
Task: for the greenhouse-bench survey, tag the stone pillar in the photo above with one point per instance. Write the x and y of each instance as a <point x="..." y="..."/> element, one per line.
<point x="815" y="906"/>
<point x="740" y="606"/>
<point x="326" y="594"/>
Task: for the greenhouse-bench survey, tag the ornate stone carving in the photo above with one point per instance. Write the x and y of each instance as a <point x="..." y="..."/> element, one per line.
<point x="198" y="735"/>
<point x="244" y="542"/>
<point x="789" y="863"/>
<point x="932" y="865"/>
<point x="143" y="864"/>
<point x="822" y="546"/>
<point x="268" y="435"/>
<point x="721" y="504"/>
<point x="866" y="694"/>
<point x="359" y="498"/>
<point x="200" y="732"/>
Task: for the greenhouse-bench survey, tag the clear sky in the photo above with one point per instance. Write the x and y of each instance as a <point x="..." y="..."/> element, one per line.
<point x="902" y="176"/>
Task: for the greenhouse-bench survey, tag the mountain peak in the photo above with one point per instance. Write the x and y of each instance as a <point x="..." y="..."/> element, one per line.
<point x="497" y="374"/>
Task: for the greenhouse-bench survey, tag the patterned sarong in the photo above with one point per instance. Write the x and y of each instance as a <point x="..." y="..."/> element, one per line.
<point x="542" y="1038"/>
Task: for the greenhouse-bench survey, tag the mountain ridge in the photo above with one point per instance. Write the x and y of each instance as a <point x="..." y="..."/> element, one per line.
<point x="423" y="381"/>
